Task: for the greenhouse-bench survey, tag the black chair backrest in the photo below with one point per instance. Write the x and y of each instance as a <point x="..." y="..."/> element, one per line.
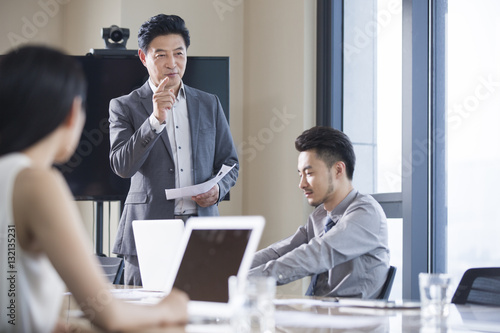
<point x="479" y="286"/>
<point x="112" y="267"/>
<point x="387" y="287"/>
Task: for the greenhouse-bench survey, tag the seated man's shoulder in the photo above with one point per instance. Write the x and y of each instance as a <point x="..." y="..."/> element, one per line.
<point x="366" y="198"/>
<point x="368" y="202"/>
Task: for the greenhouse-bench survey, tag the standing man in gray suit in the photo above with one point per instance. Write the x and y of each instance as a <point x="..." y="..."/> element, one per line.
<point x="165" y="135"/>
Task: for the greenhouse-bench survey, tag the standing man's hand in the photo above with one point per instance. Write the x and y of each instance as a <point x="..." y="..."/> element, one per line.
<point x="208" y="198"/>
<point x="163" y="100"/>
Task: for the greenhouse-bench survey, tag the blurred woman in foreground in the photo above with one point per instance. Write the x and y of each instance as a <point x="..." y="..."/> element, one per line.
<point x="43" y="245"/>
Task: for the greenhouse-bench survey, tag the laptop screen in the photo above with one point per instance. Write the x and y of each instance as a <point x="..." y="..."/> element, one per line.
<point x="210" y="258"/>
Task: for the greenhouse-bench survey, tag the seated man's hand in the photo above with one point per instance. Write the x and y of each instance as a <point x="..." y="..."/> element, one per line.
<point x="208" y="198"/>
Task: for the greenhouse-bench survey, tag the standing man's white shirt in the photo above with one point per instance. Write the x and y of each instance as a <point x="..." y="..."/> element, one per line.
<point x="179" y="135"/>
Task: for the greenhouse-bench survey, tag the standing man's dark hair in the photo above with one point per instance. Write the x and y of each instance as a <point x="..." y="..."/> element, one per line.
<point x="162" y="25"/>
<point x="331" y="146"/>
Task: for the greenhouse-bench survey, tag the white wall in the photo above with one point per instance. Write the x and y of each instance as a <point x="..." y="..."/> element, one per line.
<point x="272" y="50"/>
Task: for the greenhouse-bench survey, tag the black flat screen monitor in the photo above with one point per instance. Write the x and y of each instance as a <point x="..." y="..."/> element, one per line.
<point x="88" y="172"/>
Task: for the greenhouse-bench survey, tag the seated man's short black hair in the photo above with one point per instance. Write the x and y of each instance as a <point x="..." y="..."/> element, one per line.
<point x="331" y="146"/>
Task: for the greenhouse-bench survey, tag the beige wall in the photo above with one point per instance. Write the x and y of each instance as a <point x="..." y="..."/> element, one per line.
<point x="272" y="49"/>
<point x="279" y="104"/>
<point x="27" y="21"/>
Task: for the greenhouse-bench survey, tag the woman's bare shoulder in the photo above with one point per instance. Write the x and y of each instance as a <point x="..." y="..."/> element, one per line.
<point x="33" y="179"/>
<point x="39" y="189"/>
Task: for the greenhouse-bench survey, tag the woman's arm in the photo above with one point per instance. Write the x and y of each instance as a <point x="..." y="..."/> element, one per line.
<point x="48" y="221"/>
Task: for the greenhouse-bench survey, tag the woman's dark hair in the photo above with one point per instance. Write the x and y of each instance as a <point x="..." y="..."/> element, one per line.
<point x="330" y="145"/>
<point x="161" y="25"/>
<point x="37" y="88"/>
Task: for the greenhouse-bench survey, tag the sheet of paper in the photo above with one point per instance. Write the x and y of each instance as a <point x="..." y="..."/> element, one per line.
<point x="137" y="294"/>
<point x="304" y="302"/>
<point x="308" y="319"/>
<point x="189" y="191"/>
<point x="378" y="304"/>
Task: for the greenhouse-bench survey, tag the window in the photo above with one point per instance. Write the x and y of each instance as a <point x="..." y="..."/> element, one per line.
<point x="449" y="89"/>
<point x="472" y="122"/>
<point x="373" y="83"/>
<point x="372" y="93"/>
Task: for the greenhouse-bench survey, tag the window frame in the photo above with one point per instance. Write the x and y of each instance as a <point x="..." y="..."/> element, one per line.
<point x="421" y="204"/>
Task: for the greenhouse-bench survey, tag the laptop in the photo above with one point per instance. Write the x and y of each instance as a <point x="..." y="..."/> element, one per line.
<point x="157" y="243"/>
<point x="211" y="250"/>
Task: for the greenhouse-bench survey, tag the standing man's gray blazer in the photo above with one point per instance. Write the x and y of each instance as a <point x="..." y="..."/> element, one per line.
<point x="138" y="152"/>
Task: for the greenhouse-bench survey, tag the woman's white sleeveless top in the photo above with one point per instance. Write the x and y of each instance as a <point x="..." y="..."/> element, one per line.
<point x="31" y="291"/>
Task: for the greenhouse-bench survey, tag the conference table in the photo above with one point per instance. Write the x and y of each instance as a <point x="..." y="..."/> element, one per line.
<point x="324" y="315"/>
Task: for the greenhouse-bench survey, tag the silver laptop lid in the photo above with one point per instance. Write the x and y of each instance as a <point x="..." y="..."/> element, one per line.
<point x="157" y="243"/>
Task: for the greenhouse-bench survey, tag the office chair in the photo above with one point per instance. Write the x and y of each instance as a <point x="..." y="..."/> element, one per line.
<point x="112" y="267"/>
<point x="479" y="286"/>
<point x="386" y="289"/>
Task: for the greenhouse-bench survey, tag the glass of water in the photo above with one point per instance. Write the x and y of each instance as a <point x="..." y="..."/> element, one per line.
<point x="435" y="295"/>
<point x="253" y="304"/>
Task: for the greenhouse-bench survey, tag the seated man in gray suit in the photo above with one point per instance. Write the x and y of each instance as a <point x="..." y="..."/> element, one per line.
<point x="166" y="135"/>
<point x="343" y="245"/>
